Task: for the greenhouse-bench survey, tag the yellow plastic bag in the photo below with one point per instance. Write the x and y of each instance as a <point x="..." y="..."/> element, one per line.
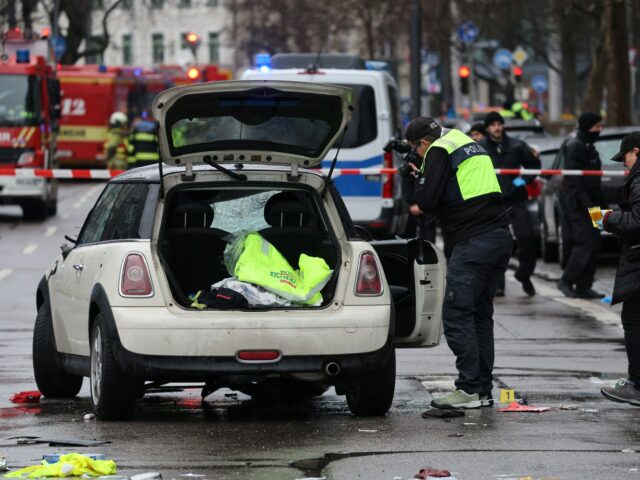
<point x="69" y="465"/>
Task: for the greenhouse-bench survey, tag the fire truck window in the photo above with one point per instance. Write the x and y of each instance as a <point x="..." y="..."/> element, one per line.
<point x="18" y="100"/>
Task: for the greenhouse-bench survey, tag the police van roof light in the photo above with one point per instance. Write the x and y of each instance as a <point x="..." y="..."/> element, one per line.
<point x="22" y="56"/>
<point x="263" y="62"/>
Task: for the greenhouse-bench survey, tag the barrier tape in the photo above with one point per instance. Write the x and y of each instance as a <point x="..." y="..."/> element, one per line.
<point x="107" y="174"/>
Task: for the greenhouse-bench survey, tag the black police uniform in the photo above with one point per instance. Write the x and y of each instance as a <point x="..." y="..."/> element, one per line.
<point x="425" y="222"/>
<point x="514" y="153"/>
<point x="476" y="229"/>
<point x="578" y="194"/>
<point x="626" y="224"/>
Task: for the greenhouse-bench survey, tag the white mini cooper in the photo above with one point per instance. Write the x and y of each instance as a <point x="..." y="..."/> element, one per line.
<point x="237" y="156"/>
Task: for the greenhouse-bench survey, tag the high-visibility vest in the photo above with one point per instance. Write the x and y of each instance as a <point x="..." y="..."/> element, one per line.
<point x="253" y="259"/>
<point x="116" y="146"/>
<point x="143" y="147"/>
<point x="474" y="169"/>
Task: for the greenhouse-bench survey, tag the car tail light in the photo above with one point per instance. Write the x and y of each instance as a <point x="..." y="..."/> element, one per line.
<point x="258" y="355"/>
<point x="387" y="187"/>
<point x="135" y="281"/>
<point x="534" y="189"/>
<point x="368" y="281"/>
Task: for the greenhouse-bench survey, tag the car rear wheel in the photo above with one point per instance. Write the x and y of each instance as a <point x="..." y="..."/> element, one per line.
<point x="373" y="392"/>
<point x="52" y="380"/>
<point x="113" y="392"/>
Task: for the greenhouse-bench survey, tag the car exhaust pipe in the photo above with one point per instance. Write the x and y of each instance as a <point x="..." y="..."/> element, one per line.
<point x="332" y="369"/>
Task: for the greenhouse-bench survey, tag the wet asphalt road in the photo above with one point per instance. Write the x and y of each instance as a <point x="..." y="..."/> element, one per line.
<point x="553" y="351"/>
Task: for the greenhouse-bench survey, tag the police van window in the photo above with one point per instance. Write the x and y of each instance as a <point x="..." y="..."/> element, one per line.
<point x="124" y="221"/>
<point x="363" y="127"/>
<point x="95" y="223"/>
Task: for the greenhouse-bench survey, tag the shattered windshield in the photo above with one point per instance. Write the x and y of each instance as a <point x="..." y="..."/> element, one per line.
<point x="18" y="100"/>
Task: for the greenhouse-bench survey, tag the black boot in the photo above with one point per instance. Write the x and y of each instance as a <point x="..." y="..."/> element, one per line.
<point x="567" y="289"/>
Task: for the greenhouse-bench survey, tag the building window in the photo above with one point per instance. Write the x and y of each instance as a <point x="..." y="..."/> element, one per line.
<point x="157" y="42"/>
<point x="184" y="3"/>
<point x="126" y="49"/>
<point x="127" y="4"/>
<point x="157" y="3"/>
<point x="214" y="47"/>
<point x="212" y="3"/>
<point x="183" y="40"/>
<point x="94" y="43"/>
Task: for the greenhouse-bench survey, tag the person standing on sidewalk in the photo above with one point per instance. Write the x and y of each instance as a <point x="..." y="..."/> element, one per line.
<point x="458" y="184"/>
<point x="626" y="224"/>
<point x="507" y="152"/>
<point x="577" y="195"/>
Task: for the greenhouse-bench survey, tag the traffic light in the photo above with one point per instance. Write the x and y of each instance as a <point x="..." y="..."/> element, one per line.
<point x="517" y="75"/>
<point x="464" y="72"/>
<point x="193" y="41"/>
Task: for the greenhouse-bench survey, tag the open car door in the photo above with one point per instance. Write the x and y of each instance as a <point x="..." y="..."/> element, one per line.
<point x="417" y="284"/>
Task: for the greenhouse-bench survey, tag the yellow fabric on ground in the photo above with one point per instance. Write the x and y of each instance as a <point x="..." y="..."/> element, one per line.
<point x="69" y="465"/>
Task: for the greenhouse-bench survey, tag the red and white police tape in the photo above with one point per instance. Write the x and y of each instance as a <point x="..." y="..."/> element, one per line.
<point x="107" y="174"/>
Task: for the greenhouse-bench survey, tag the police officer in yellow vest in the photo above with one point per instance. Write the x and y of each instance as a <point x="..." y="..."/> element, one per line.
<point x="116" y="145"/>
<point x="143" y="144"/>
<point x="458" y="184"/>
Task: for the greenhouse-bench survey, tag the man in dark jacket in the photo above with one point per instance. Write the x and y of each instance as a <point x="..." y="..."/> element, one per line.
<point x="457" y="183"/>
<point x="579" y="193"/>
<point x="626" y="224"/>
<point x="507" y="152"/>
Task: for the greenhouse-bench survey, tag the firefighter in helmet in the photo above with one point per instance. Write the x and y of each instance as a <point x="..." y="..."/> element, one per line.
<point x="116" y="146"/>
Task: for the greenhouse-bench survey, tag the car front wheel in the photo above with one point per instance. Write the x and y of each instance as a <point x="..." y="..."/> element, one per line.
<point x="372" y="392"/>
<point x="52" y="380"/>
<point x="113" y="392"/>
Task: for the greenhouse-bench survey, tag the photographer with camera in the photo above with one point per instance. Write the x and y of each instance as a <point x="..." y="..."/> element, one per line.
<point x="458" y="184"/>
<point x="420" y="224"/>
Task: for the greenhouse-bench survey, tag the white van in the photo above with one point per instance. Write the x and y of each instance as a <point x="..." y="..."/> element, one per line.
<point x="373" y="201"/>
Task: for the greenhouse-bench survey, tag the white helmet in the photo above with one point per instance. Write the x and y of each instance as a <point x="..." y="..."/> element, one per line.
<point x="118" y="118"/>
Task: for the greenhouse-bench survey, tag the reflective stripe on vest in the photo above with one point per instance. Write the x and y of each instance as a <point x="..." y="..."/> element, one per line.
<point x="474" y="169"/>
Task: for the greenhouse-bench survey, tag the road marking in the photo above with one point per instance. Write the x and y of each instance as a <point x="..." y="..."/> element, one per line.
<point x="593" y="310"/>
<point x="50" y="231"/>
<point x="29" y="249"/>
<point x="4" y="273"/>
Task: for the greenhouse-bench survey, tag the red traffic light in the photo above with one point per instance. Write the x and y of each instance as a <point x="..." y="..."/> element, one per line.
<point x="517" y="71"/>
<point x="192" y="38"/>
<point x="464" y="71"/>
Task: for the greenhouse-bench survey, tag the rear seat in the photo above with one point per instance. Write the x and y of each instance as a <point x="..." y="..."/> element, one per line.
<point x="195" y="251"/>
<point x="294" y="229"/>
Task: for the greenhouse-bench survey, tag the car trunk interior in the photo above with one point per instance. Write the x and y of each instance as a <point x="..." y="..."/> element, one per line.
<point x="200" y="222"/>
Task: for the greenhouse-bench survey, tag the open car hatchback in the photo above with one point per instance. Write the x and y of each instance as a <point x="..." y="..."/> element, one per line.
<point x="235" y="264"/>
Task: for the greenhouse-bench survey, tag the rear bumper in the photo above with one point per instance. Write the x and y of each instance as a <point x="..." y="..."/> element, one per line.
<point x="14" y="189"/>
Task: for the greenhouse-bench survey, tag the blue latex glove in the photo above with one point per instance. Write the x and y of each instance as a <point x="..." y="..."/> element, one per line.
<point x="600" y="225"/>
<point x="519" y="182"/>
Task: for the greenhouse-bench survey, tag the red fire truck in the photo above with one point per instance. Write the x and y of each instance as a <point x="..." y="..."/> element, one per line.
<point x="29" y="112"/>
<point x="91" y="93"/>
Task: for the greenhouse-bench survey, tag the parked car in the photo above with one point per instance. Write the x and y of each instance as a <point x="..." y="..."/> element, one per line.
<point x="116" y="306"/>
<point x="555" y="246"/>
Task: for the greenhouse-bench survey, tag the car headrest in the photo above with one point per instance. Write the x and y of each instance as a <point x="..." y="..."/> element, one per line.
<point x="192" y="215"/>
<point x="286" y="209"/>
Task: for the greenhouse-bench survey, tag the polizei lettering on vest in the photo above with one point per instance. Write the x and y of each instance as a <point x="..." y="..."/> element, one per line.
<point x="473" y="149"/>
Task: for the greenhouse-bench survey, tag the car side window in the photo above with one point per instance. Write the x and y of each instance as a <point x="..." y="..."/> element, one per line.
<point x="124" y="221"/>
<point x="96" y="221"/>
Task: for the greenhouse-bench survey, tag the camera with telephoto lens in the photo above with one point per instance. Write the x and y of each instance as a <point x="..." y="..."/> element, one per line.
<point x="410" y="156"/>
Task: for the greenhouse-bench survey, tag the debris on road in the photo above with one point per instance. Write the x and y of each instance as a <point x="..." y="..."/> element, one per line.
<point x="441" y="413"/>
<point x="628" y="450"/>
<point x="89" y="416"/>
<point x="367" y="431"/>
<point x="428" y="472"/>
<point x="456" y="435"/>
<point x="56" y="442"/>
<point x="147" y="476"/>
<point x="26" y="397"/>
<point x="55" y="457"/>
<point x="3" y="464"/>
<point x="607" y="300"/>
<point x="516" y="407"/>
<point x="69" y="465"/>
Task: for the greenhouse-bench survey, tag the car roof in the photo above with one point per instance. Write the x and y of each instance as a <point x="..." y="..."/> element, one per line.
<point x="151" y="173"/>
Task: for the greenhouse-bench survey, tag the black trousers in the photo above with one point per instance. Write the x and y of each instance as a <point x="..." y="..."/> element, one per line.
<point x="631" y="326"/>
<point x="525" y="236"/>
<point x="585" y="247"/>
<point x="474" y="268"/>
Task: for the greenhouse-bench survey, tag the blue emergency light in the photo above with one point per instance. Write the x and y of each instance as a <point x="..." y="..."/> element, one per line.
<point x="22" y="56"/>
<point x="263" y="62"/>
<point x="102" y="68"/>
<point x="377" y="65"/>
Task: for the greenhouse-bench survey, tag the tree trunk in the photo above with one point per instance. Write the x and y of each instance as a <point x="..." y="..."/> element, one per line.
<point x="618" y="75"/>
<point x="595" y="83"/>
<point x="569" y="74"/>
